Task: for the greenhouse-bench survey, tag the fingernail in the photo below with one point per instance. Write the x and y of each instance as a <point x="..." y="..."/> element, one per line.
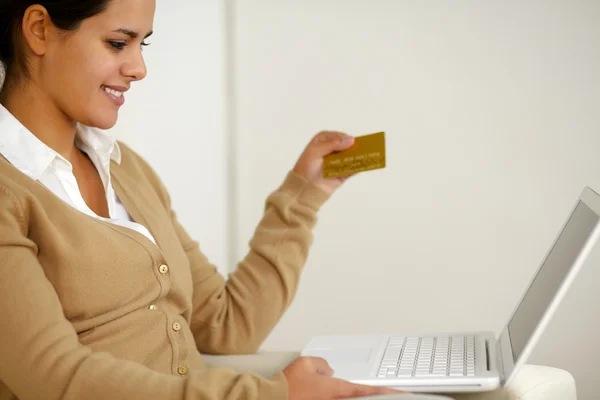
<point x="348" y="139"/>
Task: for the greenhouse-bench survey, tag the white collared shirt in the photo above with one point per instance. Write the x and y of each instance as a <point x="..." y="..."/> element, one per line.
<point x="38" y="161"/>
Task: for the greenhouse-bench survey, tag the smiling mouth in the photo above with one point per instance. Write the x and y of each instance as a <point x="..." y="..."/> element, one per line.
<point x="115" y="93"/>
<point x="116" y="96"/>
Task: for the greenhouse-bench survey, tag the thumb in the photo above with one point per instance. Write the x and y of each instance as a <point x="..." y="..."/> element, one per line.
<point x="345" y="389"/>
<point x="341" y="143"/>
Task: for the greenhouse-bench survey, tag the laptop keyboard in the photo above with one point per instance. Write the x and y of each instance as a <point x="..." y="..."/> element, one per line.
<point x="428" y="357"/>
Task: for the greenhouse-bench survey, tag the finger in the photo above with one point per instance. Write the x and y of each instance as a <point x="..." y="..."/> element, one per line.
<point x="387" y="390"/>
<point x="321" y="366"/>
<point x="346" y="177"/>
<point x="347" y="389"/>
<point x="328" y="136"/>
<point x="327" y="147"/>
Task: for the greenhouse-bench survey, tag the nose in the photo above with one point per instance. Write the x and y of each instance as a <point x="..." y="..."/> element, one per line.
<point x="135" y="67"/>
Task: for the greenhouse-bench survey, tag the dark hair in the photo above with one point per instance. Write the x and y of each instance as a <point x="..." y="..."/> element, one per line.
<point x="65" y="14"/>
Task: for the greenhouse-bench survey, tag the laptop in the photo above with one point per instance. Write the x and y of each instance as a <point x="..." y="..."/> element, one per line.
<point x="469" y="361"/>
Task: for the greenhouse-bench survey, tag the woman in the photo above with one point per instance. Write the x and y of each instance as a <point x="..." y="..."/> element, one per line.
<point x="103" y="295"/>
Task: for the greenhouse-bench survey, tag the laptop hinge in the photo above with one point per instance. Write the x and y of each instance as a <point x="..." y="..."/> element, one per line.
<point x="488" y="360"/>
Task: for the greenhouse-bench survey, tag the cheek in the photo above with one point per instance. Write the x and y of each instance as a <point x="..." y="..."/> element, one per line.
<point x="91" y="73"/>
<point x="78" y="89"/>
<point x="97" y="73"/>
<point x="81" y="72"/>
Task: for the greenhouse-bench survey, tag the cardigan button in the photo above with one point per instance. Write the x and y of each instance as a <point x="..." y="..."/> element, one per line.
<point x="182" y="370"/>
<point x="163" y="269"/>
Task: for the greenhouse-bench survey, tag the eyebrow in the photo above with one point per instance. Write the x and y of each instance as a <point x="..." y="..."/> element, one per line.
<point x="131" y="33"/>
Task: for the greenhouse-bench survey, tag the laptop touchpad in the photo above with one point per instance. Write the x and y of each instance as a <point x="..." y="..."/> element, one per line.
<point x="346" y="356"/>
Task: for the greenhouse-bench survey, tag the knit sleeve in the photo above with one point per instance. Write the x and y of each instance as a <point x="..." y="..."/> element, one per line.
<point x="234" y="316"/>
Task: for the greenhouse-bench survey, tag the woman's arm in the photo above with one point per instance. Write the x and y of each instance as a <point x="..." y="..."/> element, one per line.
<point x="235" y="317"/>
<point x="41" y="357"/>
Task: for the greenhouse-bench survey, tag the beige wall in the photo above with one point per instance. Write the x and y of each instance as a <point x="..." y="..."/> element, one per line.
<point x="493" y="130"/>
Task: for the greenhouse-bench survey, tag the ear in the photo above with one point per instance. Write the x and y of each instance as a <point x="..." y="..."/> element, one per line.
<point x="36" y="22"/>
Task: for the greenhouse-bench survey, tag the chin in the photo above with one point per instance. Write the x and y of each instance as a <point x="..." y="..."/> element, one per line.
<point x="103" y="122"/>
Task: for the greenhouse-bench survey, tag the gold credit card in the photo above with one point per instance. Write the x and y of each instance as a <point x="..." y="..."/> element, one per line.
<point x="367" y="153"/>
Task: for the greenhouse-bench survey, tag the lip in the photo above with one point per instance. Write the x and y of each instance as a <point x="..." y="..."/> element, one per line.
<point x="117" y="88"/>
<point x="119" y="101"/>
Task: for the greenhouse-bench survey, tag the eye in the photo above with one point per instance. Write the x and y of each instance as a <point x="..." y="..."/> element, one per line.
<point x="117" y="45"/>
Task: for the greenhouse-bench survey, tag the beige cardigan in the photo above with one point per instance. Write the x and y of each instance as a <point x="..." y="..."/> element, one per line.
<point x="90" y="310"/>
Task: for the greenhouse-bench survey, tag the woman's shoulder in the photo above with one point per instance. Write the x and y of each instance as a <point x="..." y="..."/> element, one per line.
<point x="13" y="182"/>
<point x="16" y="192"/>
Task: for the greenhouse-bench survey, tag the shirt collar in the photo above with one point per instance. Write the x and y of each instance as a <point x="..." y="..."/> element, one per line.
<point x="32" y="157"/>
<point x="101" y="142"/>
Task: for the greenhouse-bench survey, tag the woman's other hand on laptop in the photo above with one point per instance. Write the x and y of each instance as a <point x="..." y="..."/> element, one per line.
<point x="310" y="378"/>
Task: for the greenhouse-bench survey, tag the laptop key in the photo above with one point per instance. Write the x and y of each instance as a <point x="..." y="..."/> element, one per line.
<point x="426" y="373"/>
<point x="436" y="375"/>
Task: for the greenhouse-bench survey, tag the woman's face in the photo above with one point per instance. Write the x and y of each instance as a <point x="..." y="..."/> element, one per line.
<point x="87" y="71"/>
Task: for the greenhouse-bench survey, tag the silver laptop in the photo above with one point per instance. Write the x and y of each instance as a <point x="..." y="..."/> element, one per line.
<point x="469" y="361"/>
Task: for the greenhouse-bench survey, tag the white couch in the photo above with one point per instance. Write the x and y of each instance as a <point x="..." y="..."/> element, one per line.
<point x="532" y="383"/>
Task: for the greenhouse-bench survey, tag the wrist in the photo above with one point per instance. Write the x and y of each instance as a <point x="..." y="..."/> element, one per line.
<point x="306" y="192"/>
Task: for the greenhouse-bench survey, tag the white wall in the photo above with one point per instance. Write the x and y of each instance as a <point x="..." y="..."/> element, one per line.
<point x="493" y="129"/>
<point x="175" y="118"/>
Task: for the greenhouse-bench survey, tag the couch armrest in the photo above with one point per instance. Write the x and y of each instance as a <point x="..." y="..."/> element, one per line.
<point x="532" y="383"/>
<point x="265" y="364"/>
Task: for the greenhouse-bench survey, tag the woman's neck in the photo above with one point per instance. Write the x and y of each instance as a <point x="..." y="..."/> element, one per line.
<point x="39" y="114"/>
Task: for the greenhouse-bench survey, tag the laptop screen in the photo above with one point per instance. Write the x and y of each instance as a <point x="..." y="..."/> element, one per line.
<point x="550" y="276"/>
